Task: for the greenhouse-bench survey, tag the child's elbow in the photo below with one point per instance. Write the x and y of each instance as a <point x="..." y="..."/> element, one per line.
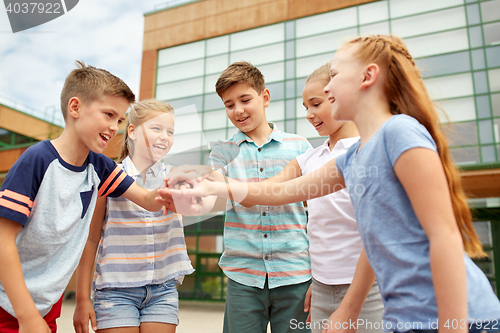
<point x="247" y="204"/>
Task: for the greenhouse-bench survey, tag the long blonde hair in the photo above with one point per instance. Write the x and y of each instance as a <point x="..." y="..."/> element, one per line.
<point x="138" y="114"/>
<point x="407" y="94"/>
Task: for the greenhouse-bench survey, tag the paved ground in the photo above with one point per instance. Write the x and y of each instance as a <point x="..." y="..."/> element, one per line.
<point x="194" y="317"/>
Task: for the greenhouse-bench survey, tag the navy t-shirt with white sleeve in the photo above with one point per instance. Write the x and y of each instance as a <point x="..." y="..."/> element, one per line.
<point x="54" y="201"/>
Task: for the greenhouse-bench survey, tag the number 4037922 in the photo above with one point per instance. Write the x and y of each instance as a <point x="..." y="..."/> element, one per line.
<point x="34" y="7"/>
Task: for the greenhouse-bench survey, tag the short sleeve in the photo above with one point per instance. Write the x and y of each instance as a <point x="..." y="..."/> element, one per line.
<point x="340" y="161"/>
<point x="22" y="183"/>
<point x="303" y="158"/>
<point x="113" y="180"/>
<point x="404" y="133"/>
<point x="223" y="153"/>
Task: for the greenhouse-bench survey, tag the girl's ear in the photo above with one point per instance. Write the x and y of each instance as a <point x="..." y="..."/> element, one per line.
<point x="132" y="133"/>
<point x="370" y="75"/>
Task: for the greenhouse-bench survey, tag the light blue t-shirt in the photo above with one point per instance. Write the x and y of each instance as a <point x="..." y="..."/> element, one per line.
<point x="395" y="243"/>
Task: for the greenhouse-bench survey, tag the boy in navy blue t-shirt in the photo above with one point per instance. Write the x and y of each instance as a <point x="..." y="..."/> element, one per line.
<point x="49" y="195"/>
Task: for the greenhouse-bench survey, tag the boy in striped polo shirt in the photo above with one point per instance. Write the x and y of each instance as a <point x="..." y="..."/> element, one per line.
<point x="266" y="256"/>
<point x="49" y="195"/>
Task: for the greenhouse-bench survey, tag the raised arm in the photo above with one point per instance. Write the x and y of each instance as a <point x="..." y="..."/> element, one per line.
<point x="12" y="280"/>
<point x="143" y="197"/>
<point x="422" y="175"/>
<point x="290" y="171"/>
<point x="84" y="309"/>
<point x="323" y="181"/>
<point x="192" y="206"/>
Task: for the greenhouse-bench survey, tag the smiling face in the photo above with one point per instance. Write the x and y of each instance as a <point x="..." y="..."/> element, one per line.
<point x="97" y="123"/>
<point x="346" y="76"/>
<point x="318" y="109"/>
<point x="152" y="139"/>
<point x="246" y="108"/>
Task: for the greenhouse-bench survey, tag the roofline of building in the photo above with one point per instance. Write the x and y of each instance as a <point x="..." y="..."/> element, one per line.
<point x="168" y="7"/>
<point x="30" y="115"/>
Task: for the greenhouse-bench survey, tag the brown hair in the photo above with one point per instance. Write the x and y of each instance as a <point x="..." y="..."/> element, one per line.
<point x="321" y="75"/>
<point x="138" y="114"/>
<point x="90" y="84"/>
<point x="406" y="94"/>
<point x="240" y="72"/>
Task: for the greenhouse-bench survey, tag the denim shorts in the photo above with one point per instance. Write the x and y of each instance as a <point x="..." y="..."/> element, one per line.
<point x="125" y="307"/>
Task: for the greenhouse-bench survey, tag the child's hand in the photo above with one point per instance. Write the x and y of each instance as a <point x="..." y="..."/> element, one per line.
<point x="197" y="188"/>
<point x="187" y="173"/>
<point x="307" y="303"/>
<point x="340" y="322"/>
<point x="84" y="311"/>
<point x="185" y="205"/>
<point x="165" y="199"/>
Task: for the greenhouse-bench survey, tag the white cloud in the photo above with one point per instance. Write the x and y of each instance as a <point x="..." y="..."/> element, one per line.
<point x="104" y="34"/>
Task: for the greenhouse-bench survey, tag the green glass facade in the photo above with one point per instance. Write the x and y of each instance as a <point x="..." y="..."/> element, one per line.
<point x="456" y="44"/>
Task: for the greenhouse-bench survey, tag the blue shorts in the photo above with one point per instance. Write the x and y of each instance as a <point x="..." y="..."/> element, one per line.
<point x="125" y="307"/>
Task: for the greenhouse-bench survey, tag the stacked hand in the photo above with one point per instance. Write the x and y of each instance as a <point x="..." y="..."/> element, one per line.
<point x="188" y="173"/>
<point x="186" y="185"/>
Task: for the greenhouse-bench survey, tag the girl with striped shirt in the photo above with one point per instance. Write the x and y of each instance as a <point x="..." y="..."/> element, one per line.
<point x="141" y="255"/>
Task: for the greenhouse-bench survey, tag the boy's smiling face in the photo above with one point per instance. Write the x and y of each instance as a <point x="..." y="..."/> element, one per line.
<point x="97" y="122"/>
<point x="245" y="107"/>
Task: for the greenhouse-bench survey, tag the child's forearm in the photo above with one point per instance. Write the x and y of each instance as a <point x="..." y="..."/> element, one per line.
<point x="84" y="271"/>
<point x="276" y="194"/>
<point x="144" y="198"/>
<point x="353" y="301"/>
<point x="446" y="255"/>
<point x="323" y="181"/>
<point x="362" y="282"/>
<point x="150" y="202"/>
<point x="11" y="274"/>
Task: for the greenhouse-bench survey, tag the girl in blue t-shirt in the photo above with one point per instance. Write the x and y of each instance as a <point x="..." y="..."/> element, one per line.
<point x="334" y="242"/>
<point x="412" y="213"/>
<point x="141" y="255"/>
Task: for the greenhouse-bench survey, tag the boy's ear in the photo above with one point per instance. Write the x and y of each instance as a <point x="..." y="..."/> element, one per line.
<point x="266" y="96"/>
<point x="370" y="75"/>
<point x="74" y="106"/>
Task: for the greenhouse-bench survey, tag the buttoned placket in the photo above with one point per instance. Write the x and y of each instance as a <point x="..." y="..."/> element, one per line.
<point x="150" y="249"/>
<point x="265" y="220"/>
<point x="150" y="240"/>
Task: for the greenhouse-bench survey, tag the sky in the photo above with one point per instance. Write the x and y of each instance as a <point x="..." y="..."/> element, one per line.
<point x="106" y="34"/>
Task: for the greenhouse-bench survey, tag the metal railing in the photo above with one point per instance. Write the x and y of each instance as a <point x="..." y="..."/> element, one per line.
<point x="51" y="114"/>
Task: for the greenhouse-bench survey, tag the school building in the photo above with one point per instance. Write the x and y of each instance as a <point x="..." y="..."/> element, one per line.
<point x="187" y="44"/>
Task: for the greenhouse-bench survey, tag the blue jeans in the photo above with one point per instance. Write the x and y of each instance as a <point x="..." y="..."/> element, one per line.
<point x="125" y="307"/>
